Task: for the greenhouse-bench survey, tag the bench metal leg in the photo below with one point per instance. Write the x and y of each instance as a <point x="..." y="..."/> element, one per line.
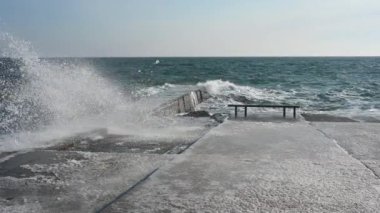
<point x="284" y="107"/>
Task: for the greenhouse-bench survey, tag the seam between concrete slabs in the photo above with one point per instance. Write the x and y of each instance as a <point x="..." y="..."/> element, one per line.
<point x="344" y="150"/>
<point x="126" y="192"/>
<point x="146" y="177"/>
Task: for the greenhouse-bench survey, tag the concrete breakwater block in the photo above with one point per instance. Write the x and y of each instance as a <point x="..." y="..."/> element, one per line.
<point x="184" y="103"/>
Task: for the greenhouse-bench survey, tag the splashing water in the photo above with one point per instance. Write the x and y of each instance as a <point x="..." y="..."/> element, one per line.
<point x="41" y="100"/>
<point x="62" y="92"/>
<point x="228" y="89"/>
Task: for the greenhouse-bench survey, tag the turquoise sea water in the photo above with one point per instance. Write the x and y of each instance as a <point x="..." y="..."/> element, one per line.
<point x="34" y="90"/>
<point x="317" y="84"/>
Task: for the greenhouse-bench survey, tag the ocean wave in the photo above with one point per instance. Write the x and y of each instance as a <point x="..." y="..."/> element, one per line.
<point x="244" y="94"/>
<point x="347" y="102"/>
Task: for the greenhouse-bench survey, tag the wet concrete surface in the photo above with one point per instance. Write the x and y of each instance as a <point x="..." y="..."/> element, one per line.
<point x="13" y="166"/>
<point x="5" y="154"/>
<point x="123" y="144"/>
<point x="84" y="172"/>
<point x="66" y="181"/>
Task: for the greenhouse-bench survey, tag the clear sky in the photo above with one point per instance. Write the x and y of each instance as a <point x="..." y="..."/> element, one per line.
<point x="195" y="27"/>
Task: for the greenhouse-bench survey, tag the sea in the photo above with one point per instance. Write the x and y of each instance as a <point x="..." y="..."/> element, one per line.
<point x="45" y="98"/>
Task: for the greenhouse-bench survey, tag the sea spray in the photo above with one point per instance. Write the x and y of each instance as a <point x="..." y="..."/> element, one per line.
<point x="53" y="92"/>
<point x="42" y="100"/>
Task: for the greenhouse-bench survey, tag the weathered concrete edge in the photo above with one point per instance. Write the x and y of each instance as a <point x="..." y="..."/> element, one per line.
<point x="184" y="103"/>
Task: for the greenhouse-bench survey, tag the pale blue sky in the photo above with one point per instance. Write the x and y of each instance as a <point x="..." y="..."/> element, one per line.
<point x="195" y="27"/>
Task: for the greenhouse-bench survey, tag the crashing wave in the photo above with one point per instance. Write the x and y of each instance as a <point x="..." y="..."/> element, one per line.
<point x="243" y="94"/>
<point x="226" y="92"/>
<point x="50" y="92"/>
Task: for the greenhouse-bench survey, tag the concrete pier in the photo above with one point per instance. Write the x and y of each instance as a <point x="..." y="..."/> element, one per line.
<point x="264" y="164"/>
<point x="244" y="166"/>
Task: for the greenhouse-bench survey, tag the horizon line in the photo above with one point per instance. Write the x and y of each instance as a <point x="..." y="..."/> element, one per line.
<point x="307" y="56"/>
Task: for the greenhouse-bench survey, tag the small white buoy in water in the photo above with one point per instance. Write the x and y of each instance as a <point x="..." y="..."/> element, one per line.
<point x="139" y="71"/>
<point x="157" y="61"/>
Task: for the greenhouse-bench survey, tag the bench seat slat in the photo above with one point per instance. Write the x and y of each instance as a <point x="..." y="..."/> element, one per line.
<point x="275" y="106"/>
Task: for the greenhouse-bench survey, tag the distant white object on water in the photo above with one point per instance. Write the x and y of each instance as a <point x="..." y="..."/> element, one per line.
<point x="138" y="70"/>
<point x="157" y="61"/>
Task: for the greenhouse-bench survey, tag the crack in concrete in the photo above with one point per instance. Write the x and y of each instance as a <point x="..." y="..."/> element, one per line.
<point x="126" y="192"/>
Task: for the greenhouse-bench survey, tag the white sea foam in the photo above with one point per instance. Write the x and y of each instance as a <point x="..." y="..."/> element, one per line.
<point x="226" y="88"/>
<point x="225" y="92"/>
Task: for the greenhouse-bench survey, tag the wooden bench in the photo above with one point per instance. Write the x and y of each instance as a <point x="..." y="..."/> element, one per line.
<point x="266" y="106"/>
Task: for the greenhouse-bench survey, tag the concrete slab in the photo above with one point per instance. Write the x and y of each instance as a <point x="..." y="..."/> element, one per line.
<point x="361" y="140"/>
<point x="258" y="167"/>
